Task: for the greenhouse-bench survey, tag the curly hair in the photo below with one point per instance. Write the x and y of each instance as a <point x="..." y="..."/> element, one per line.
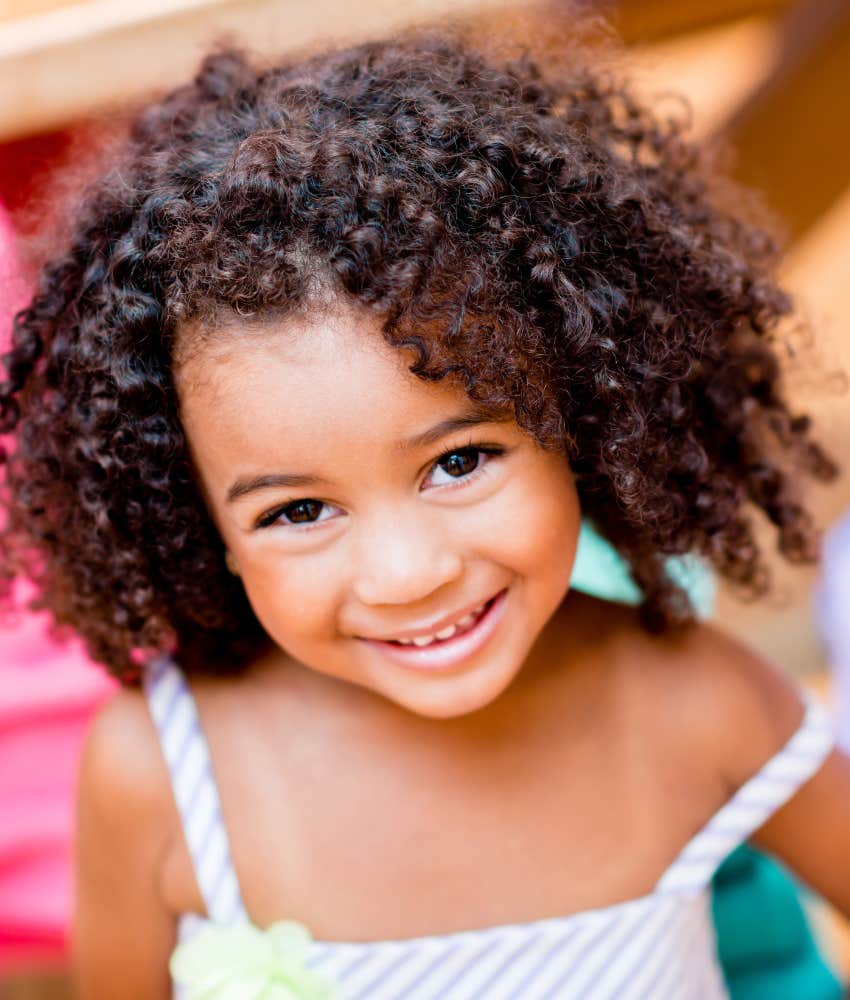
<point x="541" y="236"/>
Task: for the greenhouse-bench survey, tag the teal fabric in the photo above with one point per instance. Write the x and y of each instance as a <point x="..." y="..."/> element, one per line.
<point x="600" y="570"/>
<point x="765" y="945"/>
<point x="764" y="942"/>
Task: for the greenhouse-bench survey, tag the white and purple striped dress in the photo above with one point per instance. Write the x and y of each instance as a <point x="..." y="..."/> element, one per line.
<point x="659" y="947"/>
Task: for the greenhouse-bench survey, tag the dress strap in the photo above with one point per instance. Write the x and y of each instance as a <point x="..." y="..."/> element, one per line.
<point x="754" y="802"/>
<point x="186" y="753"/>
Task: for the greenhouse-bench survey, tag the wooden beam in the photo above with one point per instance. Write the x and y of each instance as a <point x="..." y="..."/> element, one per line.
<point x="87" y="58"/>
<point x="13" y="10"/>
<point x="792" y="138"/>
<point x="716" y="69"/>
<point x="644" y="21"/>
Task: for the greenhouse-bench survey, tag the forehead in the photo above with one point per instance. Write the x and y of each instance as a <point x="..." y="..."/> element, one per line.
<point x="323" y="381"/>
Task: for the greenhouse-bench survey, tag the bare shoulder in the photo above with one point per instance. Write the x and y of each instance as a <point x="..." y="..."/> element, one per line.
<point x="695" y="687"/>
<point x="122" y="769"/>
<point x="713" y="712"/>
<point x="123" y="930"/>
<point x="753" y="710"/>
<point x="737" y="708"/>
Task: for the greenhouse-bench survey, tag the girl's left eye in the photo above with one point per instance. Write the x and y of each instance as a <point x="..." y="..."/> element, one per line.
<point x="298" y="514"/>
<point x="461" y="464"/>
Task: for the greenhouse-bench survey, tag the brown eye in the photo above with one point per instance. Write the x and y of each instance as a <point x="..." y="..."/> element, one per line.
<point x="463" y="465"/>
<point x="460" y="463"/>
<point x="299" y="513"/>
<point x="303" y="511"/>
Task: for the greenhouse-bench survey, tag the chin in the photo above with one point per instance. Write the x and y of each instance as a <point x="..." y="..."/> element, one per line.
<point x="459" y="697"/>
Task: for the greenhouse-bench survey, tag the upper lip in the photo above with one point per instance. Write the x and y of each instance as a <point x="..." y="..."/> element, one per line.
<point x="434" y="626"/>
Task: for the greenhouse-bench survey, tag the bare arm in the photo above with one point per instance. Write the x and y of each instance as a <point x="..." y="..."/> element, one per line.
<point x="123" y="932"/>
<point x="811" y="833"/>
<point x="756" y="709"/>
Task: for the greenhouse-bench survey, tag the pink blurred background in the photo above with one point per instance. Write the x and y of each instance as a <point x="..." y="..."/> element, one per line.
<point x="47" y="694"/>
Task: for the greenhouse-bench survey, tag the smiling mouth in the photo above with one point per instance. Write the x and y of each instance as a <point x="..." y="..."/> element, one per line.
<point x="461" y="627"/>
<point x="433" y="654"/>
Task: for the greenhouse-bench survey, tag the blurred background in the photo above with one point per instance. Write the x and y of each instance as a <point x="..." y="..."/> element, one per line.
<point x="769" y="77"/>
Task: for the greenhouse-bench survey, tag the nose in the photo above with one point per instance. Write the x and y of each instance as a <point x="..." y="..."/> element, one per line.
<point x="402" y="560"/>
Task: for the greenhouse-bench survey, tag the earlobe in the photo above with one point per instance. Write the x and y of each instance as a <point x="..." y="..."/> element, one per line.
<point x="230" y="562"/>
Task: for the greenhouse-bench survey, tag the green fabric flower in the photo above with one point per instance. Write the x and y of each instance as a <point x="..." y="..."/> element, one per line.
<point x="246" y="963"/>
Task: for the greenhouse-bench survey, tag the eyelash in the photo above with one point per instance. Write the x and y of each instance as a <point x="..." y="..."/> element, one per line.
<point x="273" y="517"/>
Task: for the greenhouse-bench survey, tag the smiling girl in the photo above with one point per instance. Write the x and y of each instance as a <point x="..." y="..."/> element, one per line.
<point x="308" y="414"/>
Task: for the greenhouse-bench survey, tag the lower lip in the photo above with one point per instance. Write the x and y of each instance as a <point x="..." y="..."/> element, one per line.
<point x="450" y="652"/>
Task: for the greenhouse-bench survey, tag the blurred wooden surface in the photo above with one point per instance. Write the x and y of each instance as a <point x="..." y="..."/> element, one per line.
<point x="792" y="140"/>
<point x="11" y="9"/>
<point x="36" y="986"/>
<point x="72" y="60"/>
<point x="641" y="21"/>
<point x="716" y="69"/>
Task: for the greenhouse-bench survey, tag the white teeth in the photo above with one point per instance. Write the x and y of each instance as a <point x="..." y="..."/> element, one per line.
<point x="446" y="633"/>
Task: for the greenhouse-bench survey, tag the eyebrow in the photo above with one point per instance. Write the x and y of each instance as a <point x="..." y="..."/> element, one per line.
<point x="479" y="415"/>
<point x="242" y="487"/>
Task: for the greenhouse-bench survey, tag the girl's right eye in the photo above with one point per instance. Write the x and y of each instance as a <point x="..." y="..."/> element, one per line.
<point x="299" y="512"/>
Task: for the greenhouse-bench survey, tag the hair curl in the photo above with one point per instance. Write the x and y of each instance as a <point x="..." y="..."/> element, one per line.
<point x="543" y="237"/>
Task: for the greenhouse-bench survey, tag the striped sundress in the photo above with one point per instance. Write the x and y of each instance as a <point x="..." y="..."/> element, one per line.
<point x="657" y="947"/>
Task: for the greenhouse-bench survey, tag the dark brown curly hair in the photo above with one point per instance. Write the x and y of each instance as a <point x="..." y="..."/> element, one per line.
<point x="543" y="237"/>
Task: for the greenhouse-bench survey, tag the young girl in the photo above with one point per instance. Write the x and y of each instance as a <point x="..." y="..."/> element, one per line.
<point x="307" y="416"/>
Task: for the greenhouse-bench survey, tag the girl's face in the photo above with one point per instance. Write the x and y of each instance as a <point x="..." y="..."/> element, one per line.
<point x="387" y="532"/>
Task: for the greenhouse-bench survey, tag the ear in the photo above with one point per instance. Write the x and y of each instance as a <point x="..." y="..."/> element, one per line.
<point x="230" y="562"/>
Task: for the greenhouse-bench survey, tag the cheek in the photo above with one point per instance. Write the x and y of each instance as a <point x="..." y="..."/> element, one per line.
<point x="559" y="524"/>
<point x="540" y="520"/>
<point x="290" y="596"/>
